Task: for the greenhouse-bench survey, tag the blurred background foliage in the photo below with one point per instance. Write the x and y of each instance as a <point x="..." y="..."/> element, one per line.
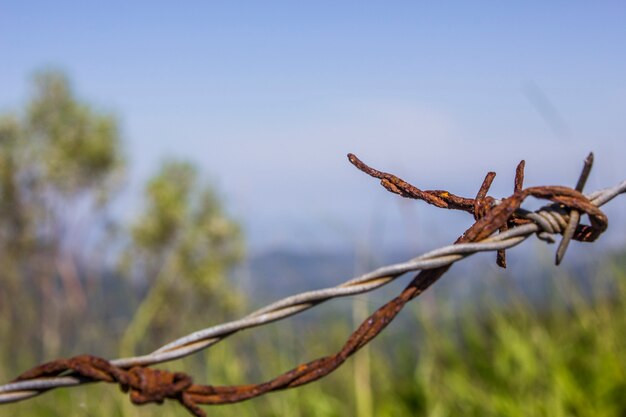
<point x="77" y="280"/>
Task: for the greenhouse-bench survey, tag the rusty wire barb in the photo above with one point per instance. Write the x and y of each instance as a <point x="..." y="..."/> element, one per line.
<point x="514" y="224"/>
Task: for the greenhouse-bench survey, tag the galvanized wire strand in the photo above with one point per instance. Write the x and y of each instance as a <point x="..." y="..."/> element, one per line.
<point x="545" y="220"/>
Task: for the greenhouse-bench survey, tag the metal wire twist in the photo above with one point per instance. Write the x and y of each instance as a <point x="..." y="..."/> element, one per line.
<point x="545" y="222"/>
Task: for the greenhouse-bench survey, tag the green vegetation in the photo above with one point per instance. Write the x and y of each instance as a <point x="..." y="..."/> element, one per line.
<point x="558" y="360"/>
<point x="74" y="281"/>
<point x="185" y="246"/>
<point x="74" y="278"/>
<point x="60" y="165"/>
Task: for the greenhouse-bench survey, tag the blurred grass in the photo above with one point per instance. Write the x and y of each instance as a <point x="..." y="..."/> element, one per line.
<point x="504" y="357"/>
<point x="520" y="359"/>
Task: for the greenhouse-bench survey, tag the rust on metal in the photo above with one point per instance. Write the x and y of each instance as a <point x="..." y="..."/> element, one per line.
<point x="574" y="218"/>
<point x="439" y="198"/>
<point x="519" y="176"/>
<point x="148" y="385"/>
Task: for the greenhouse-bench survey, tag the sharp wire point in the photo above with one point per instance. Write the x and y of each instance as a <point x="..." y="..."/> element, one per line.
<point x="574" y="218"/>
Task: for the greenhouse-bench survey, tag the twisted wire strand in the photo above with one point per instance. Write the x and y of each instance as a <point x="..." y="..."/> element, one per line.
<point x="545" y="222"/>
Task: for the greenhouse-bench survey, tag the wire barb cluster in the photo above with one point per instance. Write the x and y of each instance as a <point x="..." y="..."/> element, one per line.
<point x="506" y="216"/>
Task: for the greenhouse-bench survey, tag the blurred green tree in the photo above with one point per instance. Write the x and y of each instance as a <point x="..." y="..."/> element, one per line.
<point x="61" y="167"/>
<point x="60" y="163"/>
<point x="78" y="149"/>
<point x="184" y="245"/>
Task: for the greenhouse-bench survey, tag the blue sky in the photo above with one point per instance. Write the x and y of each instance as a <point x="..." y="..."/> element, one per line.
<point x="268" y="97"/>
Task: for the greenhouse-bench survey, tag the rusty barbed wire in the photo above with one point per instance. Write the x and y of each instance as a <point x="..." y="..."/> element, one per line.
<point x="514" y="223"/>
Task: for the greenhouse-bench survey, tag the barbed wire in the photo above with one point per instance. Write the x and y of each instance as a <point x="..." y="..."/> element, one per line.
<point x="515" y="225"/>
